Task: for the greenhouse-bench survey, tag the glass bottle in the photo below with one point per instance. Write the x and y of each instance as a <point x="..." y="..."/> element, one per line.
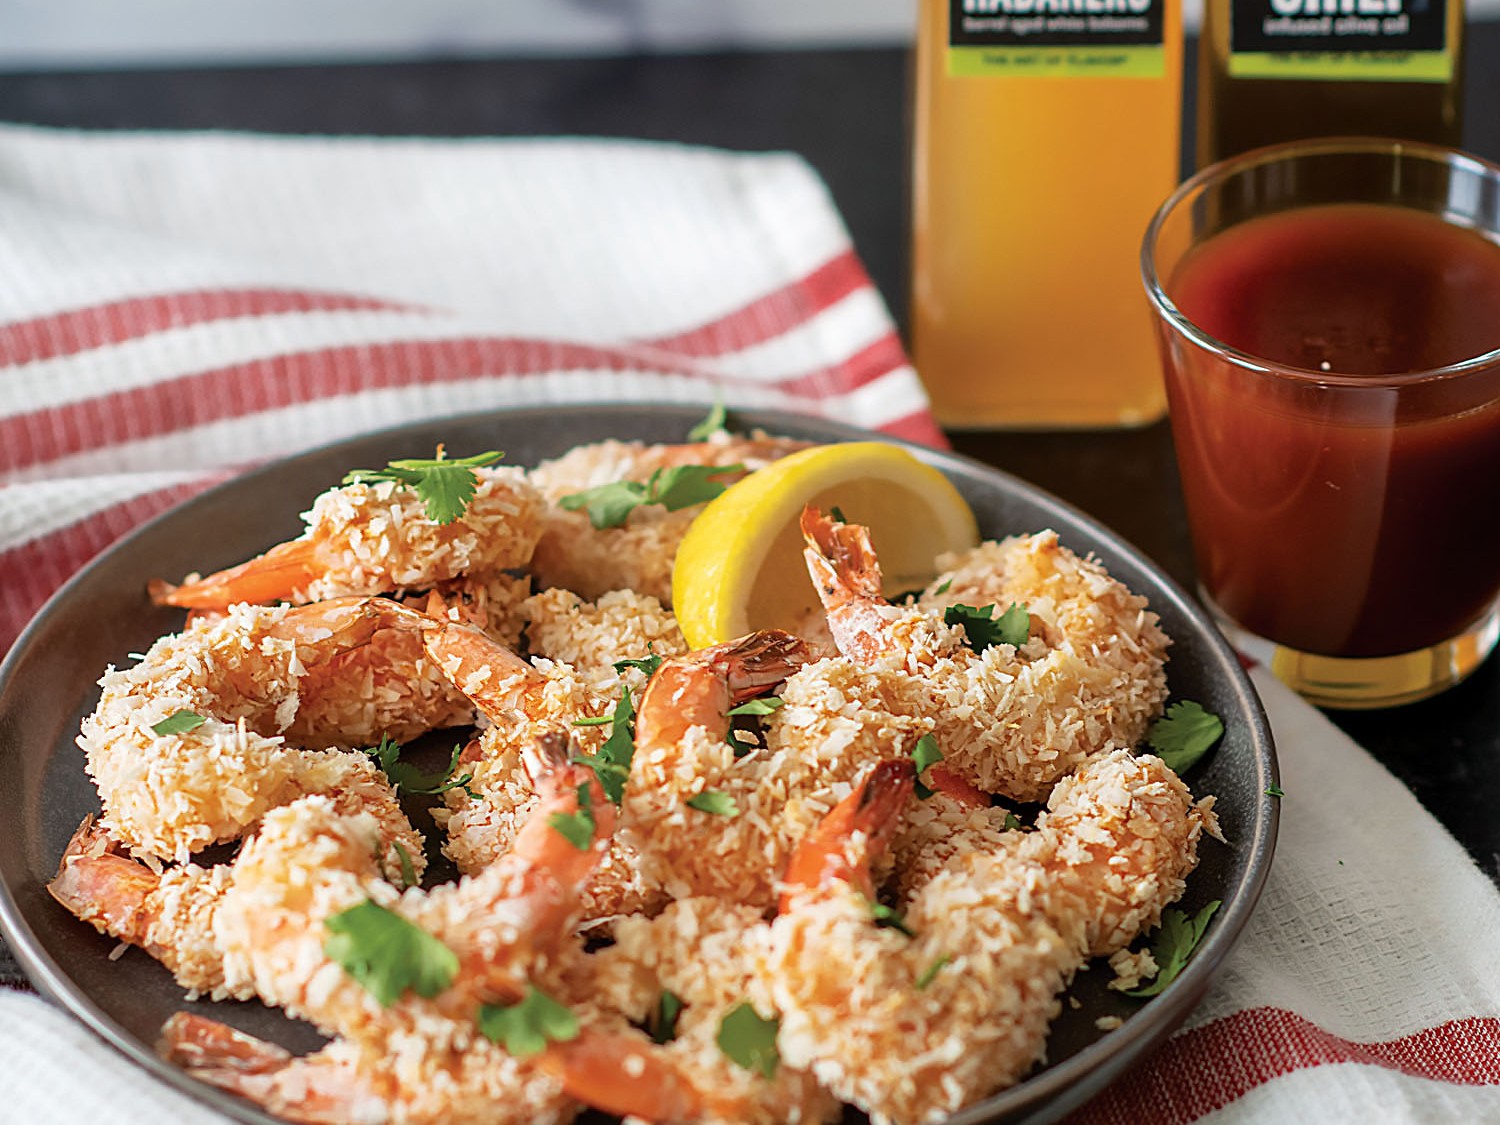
<point x="1046" y="132"/>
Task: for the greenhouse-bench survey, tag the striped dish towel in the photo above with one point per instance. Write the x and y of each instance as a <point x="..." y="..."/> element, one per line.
<point x="176" y="308"/>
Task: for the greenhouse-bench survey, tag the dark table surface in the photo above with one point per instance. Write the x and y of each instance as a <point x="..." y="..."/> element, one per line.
<point x="845" y="111"/>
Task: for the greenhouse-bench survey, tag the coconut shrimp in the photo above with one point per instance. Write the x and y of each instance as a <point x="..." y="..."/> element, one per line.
<point x="910" y="1026"/>
<point x="463" y="1078"/>
<point x="1011" y="719"/>
<point x="507" y="926"/>
<point x="695" y="950"/>
<point x="365" y="539"/>
<point x="595" y="638"/>
<point x="637" y="555"/>
<point x="712" y="817"/>
<point x="192" y="745"/>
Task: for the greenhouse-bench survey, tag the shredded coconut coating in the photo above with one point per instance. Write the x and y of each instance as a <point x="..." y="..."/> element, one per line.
<point x="1015" y="721"/>
<point x="696" y="949"/>
<point x="637" y="555"/>
<point x="378" y="538"/>
<point x="591" y="637"/>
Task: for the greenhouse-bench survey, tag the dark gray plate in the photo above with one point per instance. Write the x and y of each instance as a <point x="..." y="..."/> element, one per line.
<point x="48" y="683"/>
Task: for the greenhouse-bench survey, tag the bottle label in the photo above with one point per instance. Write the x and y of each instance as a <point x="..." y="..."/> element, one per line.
<point x="1063" y="38"/>
<point x="1357" y="40"/>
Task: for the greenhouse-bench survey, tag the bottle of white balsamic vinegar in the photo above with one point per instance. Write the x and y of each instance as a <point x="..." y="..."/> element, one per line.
<point x="1282" y="70"/>
<point x="1046" y="132"/>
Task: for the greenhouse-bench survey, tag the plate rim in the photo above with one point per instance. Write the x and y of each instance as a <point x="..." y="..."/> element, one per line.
<point x="1041" y="1097"/>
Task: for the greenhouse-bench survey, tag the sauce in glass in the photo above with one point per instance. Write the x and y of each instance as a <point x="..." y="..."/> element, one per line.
<point x="1352" y="515"/>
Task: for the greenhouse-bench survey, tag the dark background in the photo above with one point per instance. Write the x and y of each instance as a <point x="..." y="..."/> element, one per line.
<point x="846" y="113"/>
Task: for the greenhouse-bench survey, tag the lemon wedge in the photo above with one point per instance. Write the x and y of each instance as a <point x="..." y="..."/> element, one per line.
<point x="740" y="566"/>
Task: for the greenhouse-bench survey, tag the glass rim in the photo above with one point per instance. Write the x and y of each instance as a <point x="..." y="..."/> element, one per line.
<point x="1272" y="154"/>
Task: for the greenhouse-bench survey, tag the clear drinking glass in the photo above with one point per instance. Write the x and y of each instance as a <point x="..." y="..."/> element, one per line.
<point x="1345" y="518"/>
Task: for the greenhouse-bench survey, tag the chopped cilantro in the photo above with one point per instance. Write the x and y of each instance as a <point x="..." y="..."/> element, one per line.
<point x="714" y="802"/>
<point x="445" y="486"/>
<point x="1175" y="941"/>
<point x="1012" y="822"/>
<point x="836" y="514"/>
<point x="675" y="487"/>
<point x="595" y="721"/>
<point x="525" y="1028"/>
<point x="1184" y="734"/>
<point x="944" y="588"/>
<point x="1274" y="790"/>
<point x="612" y="764"/>
<point x="766" y="705"/>
<point x="739" y="745"/>
<point x="983" y="629"/>
<point x="647" y="664"/>
<point x="930" y="973"/>
<point x="664" y="1018"/>
<point x="387" y="954"/>
<point x="179" y="722"/>
<point x="717" y="420"/>
<point x="889" y="918"/>
<point x="408" y="872"/>
<point x="408" y="779"/>
<point x="924" y="754"/>
<point x="749" y="1040"/>
<point x="578" y="827"/>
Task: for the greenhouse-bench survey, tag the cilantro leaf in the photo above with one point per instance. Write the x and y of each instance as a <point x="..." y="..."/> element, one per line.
<point x="408" y="779"/>
<point x="525" y="1028"/>
<point x="750" y="1041"/>
<point x="924" y="754"/>
<point x="767" y="705"/>
<point x="577" y="828"/>
<point x="944" y="588"/>
<point x="679" y="486"/>
<point x="445" y="486"/>
<point x="836" y="514"/>
<point x="595" y="721"/>
<point x="1274" y="790"/>
<point x="739" y="745"/>
<point x="930" y="973"/>
<point x="1184" y="734"/>
<point x="179" y="722"/>
<point x="664" y="1019"/>
<point x="983" y="629"/>
<point x="647" y="664"/>
<point x="1012" y="822"/>
<point x="609" y="504"/>
<point x="387" y="954"/>
<point x="714" y="802"/>
<point x="1175" y="941"/>
<point x="612" y="764"/>
<point x="717" y="420"/>
<point x="682" y="486"/>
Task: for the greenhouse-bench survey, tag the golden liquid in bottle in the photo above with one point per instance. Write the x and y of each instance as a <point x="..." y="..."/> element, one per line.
<point x="1239" y="113"/>
<point x="1030" y="197"/>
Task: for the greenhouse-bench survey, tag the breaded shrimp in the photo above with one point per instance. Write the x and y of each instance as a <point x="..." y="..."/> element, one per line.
<point x="591" y="638"/>
<point x="911" y="1026"/>
<point x="637" y="555"/>
<point x="506" y="926"/>
<point x="1011" y="719"/>
<point x="378" y="539"/>
<point x="190" y="746"/>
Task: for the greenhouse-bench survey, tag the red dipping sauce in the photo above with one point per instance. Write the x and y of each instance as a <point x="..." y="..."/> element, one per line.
<point x="1349" y="506"/>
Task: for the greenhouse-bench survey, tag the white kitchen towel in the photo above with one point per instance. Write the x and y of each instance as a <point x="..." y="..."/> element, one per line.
<point x="174" y="308"/>
<point x="177" y="307"/>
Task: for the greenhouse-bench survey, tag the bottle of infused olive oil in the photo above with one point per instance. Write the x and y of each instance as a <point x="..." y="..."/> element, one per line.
<point x="1281" y="70"/>
<point x="1046" y="132"/>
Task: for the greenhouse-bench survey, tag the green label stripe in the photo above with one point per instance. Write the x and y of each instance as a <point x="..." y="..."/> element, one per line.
<point x="1350" y="66"/>
<point x="1057" y="62"/>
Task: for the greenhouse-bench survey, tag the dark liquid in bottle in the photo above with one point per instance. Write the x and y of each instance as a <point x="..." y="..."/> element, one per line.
<point x="1344" y="521"/>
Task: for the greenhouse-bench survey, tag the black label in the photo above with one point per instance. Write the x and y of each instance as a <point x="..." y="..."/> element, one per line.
<point x="1054" y="23"/>
<point x="1336" y="25"/>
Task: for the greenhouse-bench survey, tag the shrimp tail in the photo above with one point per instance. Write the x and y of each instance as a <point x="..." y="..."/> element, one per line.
<point x="855" y="832"/>
<point x="758" y="661"/>
<point x="841" y="557"/>
<point x="104" y="887"/>
<point x="274" y="576"/>
<point x="315" y="1090"/>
